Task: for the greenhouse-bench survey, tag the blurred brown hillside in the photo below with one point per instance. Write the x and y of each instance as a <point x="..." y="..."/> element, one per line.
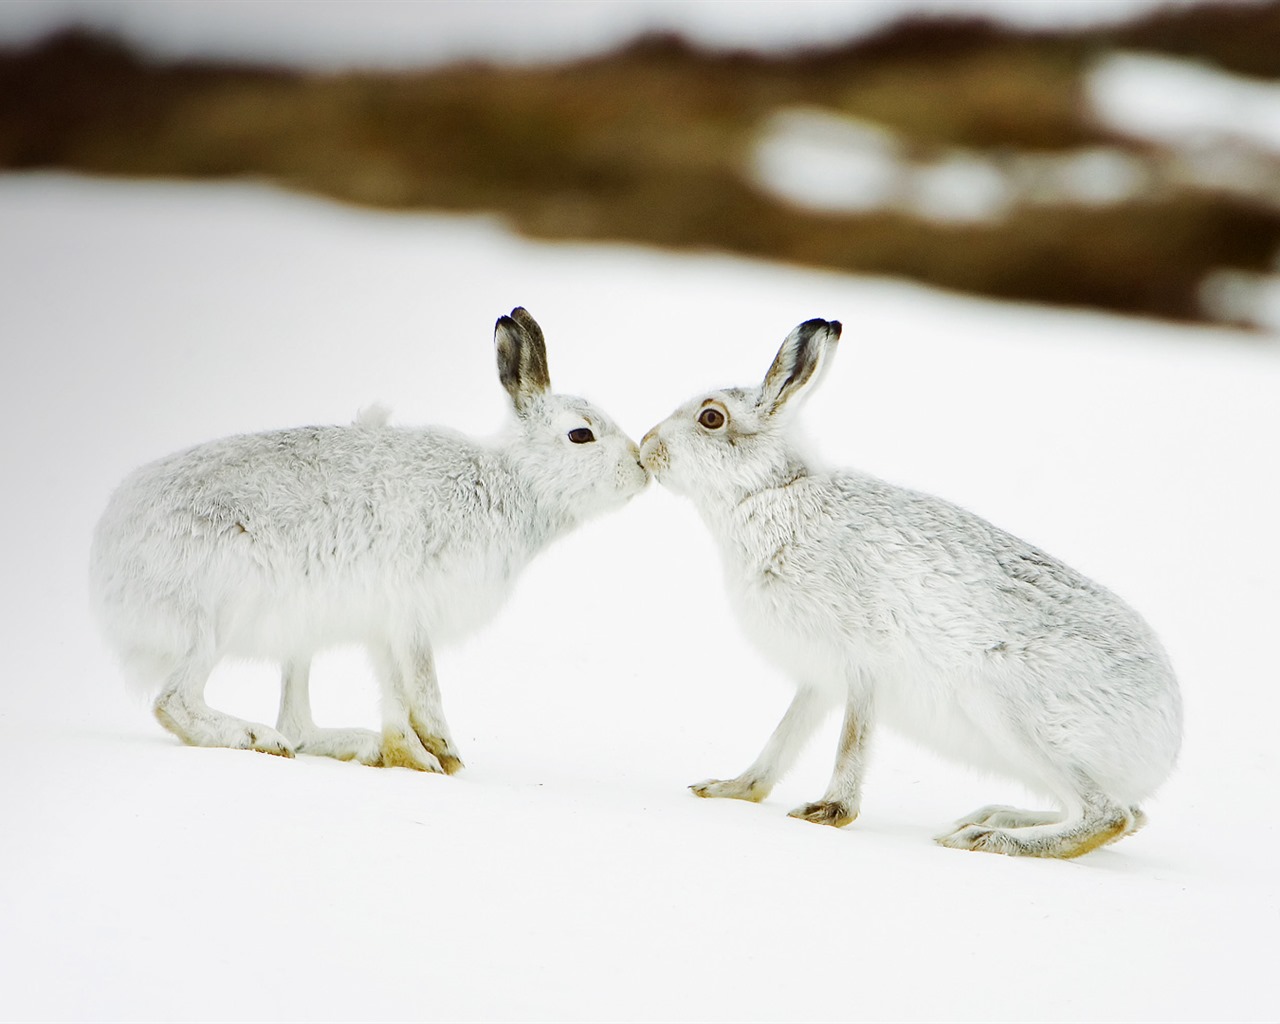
<point x="667" y="144"/>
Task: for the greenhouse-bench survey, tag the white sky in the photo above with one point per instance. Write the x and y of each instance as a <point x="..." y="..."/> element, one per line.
<point x="334" y="33"/>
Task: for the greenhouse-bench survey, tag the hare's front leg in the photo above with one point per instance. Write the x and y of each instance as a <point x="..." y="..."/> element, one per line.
<point x="295" y="722"/>
<point x="843" y="798"/>
<point x="426" y="710"/>
<point x="808" y="708"/>
<point x="414" y="732"/>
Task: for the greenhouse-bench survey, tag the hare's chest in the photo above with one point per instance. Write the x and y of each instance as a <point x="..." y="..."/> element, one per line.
<point x="466" y="591"/>
<point x="781" y="606"/>
<point x="781" y="572"/>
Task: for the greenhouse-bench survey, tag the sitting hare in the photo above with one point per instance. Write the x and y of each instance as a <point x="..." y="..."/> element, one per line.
<point x="904" y="607"/>
<point x="281" y="544"/>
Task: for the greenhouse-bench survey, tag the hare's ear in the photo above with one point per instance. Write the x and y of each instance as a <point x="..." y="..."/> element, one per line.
<point x="522" y="357"/>
<point x="799" y="365"/>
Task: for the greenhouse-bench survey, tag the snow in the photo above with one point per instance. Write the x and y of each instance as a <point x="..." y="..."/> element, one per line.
<point x="824" y="161"/>
<point x="818" y="160"/>
<point x="1093" y="176"/>
<point x="1240" y="296"/>
<point x="567" y="874"/>
<point x="1184" y="104"/>
<point x="960" y="187"/>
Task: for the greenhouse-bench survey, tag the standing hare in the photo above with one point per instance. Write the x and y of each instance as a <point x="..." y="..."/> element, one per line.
<point x="904" y="607"/>
<point x="281" y="544"/>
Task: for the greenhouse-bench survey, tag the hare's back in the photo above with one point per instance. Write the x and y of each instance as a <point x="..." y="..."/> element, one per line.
<point x="321" y="501"/>
<point x="942" y="570"/>
<point x="290" y="479"/>
<point x="920" y="533"/>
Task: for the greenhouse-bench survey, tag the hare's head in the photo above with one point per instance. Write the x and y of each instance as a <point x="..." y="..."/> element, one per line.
<point x="574" y="455"/>
<point x="732" y="442"/>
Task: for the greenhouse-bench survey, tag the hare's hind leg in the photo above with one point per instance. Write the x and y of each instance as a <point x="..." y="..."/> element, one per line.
<point x="1097" y="821"/>
<point x="295" y="722"/>
<point x="808" y="708"/>
<point x="414" y="732"/>
<point x="1004" y="816"/>
<point x="182" y="710"/>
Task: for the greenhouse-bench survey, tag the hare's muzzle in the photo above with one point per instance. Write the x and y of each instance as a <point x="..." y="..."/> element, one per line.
<point x="653" y="453"/>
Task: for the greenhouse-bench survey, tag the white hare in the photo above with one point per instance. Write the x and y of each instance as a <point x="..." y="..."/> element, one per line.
<point x="278" y="545"/>
<point x="906" y="608"/>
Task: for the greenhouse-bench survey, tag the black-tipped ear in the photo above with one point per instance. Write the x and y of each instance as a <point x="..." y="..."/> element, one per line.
<point x="522" y="357"/>
<point x="799" y="364"/>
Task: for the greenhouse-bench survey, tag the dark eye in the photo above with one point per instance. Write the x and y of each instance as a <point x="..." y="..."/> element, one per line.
<point x="581" y="435"/>
<point x="711" y="418"/>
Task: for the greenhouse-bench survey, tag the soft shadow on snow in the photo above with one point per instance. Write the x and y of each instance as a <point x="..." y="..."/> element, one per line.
<point x="568" y="873"/>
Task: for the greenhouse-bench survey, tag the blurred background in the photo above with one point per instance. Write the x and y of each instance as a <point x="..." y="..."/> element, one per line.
<point x="1123" y="156"/>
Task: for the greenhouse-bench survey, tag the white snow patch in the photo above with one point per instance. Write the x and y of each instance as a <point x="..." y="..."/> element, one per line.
<point x="1182" y="103"/>
<point x="1095" y="176"/>
<point x="1238" y="296"/>
<point x="820" y="160"/>
<point x="824" y="161"/>
<point x="959" y="187"/>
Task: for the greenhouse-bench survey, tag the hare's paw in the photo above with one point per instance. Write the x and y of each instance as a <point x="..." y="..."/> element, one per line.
<point x="442" y="750"/>
<point x="741" y="788"/>
<point x="344" y="745"/>
<point x="405" y="750"/>
<point x="201" y="726"/>
<point x="825" y="812"/>
<point x="265" y="739"/>
<point x="451" y="763"/>
<point x="980" y="838"/>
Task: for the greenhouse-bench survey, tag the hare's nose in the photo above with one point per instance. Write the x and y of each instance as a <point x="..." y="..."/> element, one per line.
<point x="653" y="454"/>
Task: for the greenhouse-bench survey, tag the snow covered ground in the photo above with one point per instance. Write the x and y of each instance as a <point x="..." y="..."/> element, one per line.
<point x="567" y="874"/>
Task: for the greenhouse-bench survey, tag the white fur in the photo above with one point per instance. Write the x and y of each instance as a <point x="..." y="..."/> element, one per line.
<point x="282" y="544"/>
<point x="375" y="415"/>
<point x="906" y="608"/>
